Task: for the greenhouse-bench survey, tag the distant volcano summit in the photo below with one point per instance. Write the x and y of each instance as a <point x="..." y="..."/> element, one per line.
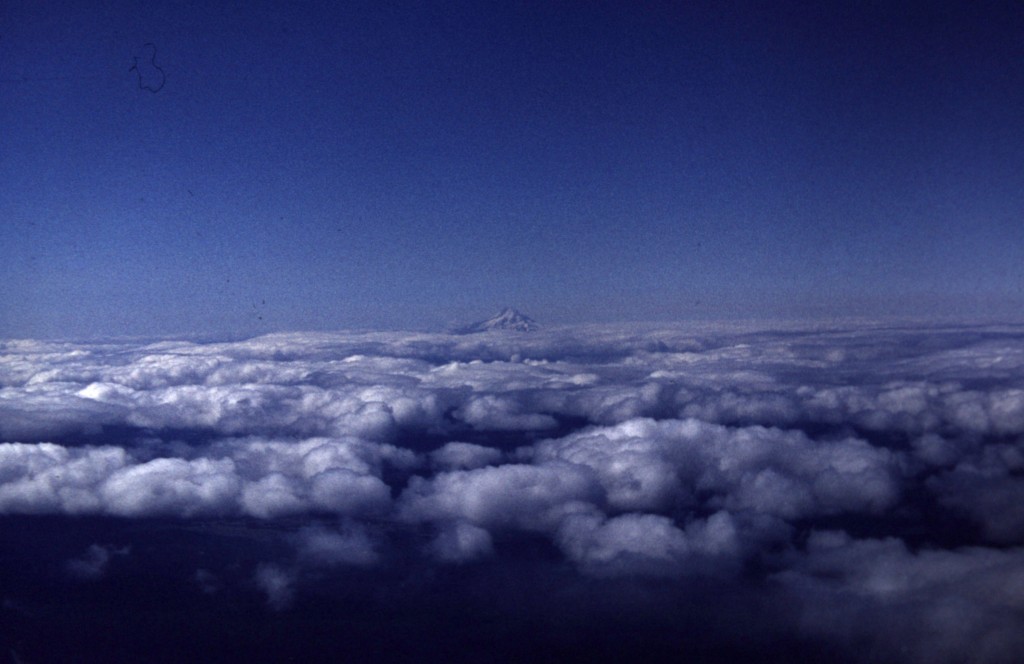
<point x="507" y="319"/>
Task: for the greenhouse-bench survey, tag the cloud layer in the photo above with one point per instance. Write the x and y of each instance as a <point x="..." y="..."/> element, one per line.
<point x="872" y="475"/>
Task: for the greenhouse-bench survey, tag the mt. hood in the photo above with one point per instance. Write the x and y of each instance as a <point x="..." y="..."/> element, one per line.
<point x="507" y="319"/>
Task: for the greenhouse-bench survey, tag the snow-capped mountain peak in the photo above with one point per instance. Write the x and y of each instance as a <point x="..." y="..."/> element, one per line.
<point x="507" y="319"/>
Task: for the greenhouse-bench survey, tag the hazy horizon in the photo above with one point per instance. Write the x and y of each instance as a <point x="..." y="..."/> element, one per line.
<point x="450" y="326"/>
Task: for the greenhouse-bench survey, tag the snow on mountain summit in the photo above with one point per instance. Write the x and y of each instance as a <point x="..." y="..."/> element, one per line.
<point x="507" y="319"/>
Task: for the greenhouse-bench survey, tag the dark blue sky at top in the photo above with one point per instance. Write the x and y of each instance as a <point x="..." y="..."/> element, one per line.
<point x="408" y="165"/>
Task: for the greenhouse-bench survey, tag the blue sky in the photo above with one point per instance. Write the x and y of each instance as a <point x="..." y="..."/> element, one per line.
<point x="322" y="167"/>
